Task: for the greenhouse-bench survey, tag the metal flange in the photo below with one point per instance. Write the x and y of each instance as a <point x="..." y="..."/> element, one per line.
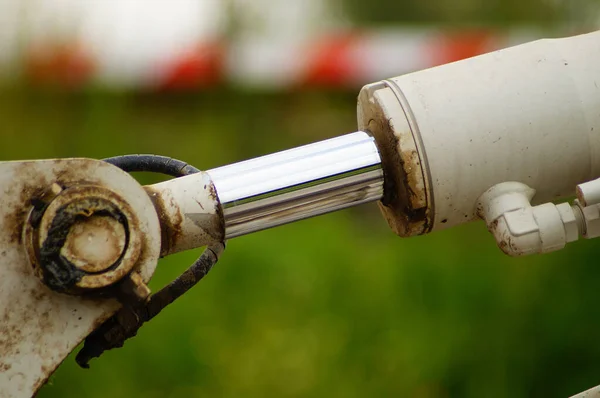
<point x="84" y="239"/>
<point x="44" y="202"/>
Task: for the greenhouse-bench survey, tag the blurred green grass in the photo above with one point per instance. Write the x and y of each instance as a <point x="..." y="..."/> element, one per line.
<point x="333" y="306"/>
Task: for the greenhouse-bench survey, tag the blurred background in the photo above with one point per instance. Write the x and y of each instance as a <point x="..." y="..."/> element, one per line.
<point x="335" y="306"/>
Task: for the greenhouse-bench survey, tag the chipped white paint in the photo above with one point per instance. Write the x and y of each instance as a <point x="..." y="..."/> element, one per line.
<point x="39" y="327"/>
<point x="521" y="229"/>
<point x="527" y="113"/>
<point x="189" y="210"/>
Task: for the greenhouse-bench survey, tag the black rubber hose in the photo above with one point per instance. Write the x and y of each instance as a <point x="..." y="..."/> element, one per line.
<point x="127" y="321"/>
<point x="153" y="164"/>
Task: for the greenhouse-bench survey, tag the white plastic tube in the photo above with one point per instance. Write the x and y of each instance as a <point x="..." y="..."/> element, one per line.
<point x="530" y="114"/>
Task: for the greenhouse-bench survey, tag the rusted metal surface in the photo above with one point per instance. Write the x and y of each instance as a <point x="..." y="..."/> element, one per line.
<point x="486" y="209"/>
<point x="40" y="327"/>
<point x="407" y="203"/>
<point x="170" y="221"/>
<point x="189" y="211"/>
<point x="505" y="239"/>
<point x="54" y="257"/>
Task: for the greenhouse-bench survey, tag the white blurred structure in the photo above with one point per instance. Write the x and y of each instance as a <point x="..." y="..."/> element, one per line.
<point x="193" y="43"/>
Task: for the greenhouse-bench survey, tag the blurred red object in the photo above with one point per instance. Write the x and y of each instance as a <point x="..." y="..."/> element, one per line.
<point x="454" y="46"/>
<point x="65" y="65"/>
<point x="198" y="68"/>
<point x="331" y="62"/>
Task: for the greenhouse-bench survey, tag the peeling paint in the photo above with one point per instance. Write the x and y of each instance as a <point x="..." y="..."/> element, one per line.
<point x="170" y="223"/>
<point x="40" y="327"/>
<point x="189" y="210"/>
<point x="407" y="203"/>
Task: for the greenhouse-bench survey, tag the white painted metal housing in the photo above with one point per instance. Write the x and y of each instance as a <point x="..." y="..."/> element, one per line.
<point x="529" y="114"/>
<point x="38" y="326"/>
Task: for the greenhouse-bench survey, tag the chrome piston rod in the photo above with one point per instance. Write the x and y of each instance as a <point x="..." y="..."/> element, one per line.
<point x="298" y="183"/>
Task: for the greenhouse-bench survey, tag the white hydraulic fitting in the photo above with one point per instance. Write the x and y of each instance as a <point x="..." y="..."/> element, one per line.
<point x="522" y="229"/>
<point x="588" y="193"/>
<point x="589" y="219"/>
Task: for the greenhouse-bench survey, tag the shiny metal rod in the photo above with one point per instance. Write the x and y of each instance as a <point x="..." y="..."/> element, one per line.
<point x="298" y="183"/>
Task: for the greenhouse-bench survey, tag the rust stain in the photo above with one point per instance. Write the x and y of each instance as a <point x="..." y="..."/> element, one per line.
<point x="506" y="243"/>
<point x="479" y="210"/>
<point x="84" y="170"/>
<point x="39" y="307"/>
<point x="34" y="189"/>
<point x="217" y="232"/>
<point x="144" y="255"/>
<point x="11" y="337"/>
<point x="400" y="203"/>
<point x="503" y="245"/>
<point x="88" y="200"/>
<point x="104" y="279"/>
<point x="46" y="370"/>
<point x="212" y="192"/>
<point x="170" y="227"/>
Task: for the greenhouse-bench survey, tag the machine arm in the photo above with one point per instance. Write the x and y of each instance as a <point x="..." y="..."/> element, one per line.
<point x="501" y="137"/>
